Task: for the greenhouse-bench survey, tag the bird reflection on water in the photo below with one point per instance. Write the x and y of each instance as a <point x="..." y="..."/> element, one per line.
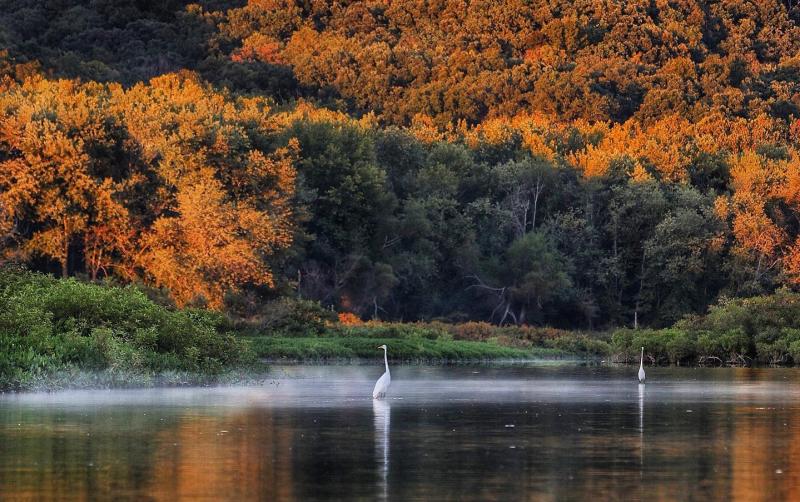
<point x="382" y="415"/>
<point x="641" y="430"/>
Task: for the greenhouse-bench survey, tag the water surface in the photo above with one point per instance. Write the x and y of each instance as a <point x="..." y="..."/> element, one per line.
<point x="466" y="433"/>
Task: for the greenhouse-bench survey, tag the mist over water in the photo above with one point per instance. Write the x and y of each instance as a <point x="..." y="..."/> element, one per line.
<point x="465" y="432"/>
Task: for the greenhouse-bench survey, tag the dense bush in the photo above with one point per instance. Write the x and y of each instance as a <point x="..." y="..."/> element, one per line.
<point x="761" y="329"/>
<point x="295" y="317"/>
<point x="578" y="344"/>
<point x="49" y="326"/>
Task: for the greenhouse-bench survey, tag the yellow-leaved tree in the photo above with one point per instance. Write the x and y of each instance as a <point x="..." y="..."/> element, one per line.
<point x="170" y="182"/>
<point x="64" y="170"/>
<point x="224" y="198"/>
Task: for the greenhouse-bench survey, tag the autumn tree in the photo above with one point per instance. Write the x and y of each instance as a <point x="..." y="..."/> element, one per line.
<point x="758" y="238"/>
<point x="223" y="204"/>
<point x="62" y="173"/>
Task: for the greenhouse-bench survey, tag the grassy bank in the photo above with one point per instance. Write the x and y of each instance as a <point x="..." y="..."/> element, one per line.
<point x="402" y="349"/>
<point x="307" y="334"/>
<point x="65" y="333"/>
<point x="56" y="332"/>
<point x="761" y="330"/>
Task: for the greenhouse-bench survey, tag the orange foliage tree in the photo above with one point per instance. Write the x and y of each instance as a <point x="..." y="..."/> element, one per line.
<point x="64" y="168"/>
<point x="224" y="204"/>
<point x="170" y="182"/>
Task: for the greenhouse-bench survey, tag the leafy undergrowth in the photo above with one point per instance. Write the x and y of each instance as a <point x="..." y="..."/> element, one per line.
<point x="745" y="331"/>
<point x="54" y="329"/>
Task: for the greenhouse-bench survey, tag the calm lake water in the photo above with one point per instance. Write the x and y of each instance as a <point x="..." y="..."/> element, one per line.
<point x="480" y="433"/>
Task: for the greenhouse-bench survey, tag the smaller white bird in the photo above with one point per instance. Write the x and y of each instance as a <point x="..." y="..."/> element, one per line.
<point x="382" y="385"/>
<point x="641" y="368"/>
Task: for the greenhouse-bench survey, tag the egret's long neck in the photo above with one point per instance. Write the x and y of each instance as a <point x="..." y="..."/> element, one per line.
<point x="641" y="361"/>
<point x="385" y="361"/>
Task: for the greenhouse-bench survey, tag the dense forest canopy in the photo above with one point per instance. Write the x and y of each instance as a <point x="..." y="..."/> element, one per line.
<point x="579" y="164"/>
<point x="587" y="59"/>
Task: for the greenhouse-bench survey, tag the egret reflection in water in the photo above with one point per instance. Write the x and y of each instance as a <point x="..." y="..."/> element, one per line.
<point x="641" y="408"/>
<point x="382" y="412"/>
<point x="641" y="429"/>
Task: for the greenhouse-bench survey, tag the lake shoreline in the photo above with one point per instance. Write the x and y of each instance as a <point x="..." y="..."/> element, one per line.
<point x="53" y="329"/>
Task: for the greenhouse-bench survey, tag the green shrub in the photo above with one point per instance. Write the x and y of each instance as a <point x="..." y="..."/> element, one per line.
<point x="727" y="346"/>
<point x="400" y="349"/>
<point x="655" y="344"/>
<point x="774" y="346"/>
<point x="578" y="344"/>
<point x="390" y="330"/>
<point x="794" y="351"/>
<point x="52" y="325"/>
<point x="622" y="344"/>
<point x="751" y="315"/>
<point x="680" y="346"/>
<point x="295" y="317"/>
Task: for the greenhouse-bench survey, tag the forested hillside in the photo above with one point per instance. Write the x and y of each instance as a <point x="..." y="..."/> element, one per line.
<point x="577" y="164"/>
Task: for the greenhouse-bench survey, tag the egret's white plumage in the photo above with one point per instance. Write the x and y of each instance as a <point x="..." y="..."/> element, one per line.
<point x="641" y="368"/>
<point x="382" y="385"/>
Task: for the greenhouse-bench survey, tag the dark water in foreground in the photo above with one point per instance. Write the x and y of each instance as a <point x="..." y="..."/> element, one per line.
<point x="504" y="433"/>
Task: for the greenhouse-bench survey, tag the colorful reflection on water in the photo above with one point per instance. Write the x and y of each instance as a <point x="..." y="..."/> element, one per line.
<point x="521" y="432"/>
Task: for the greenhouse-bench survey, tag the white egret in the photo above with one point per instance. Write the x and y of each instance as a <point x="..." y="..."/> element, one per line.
<point x="641" y="368"/>
<point x="382" y="385"/>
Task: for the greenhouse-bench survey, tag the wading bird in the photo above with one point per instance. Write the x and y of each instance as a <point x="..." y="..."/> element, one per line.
<point x="382" y="385"/>
<point x="641" y="368"/>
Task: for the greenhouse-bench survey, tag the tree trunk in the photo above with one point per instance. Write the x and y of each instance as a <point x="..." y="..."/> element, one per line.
<point x="65" y="259"/>
<point x="65" y="255"/>
<point x="537" y="192"/>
